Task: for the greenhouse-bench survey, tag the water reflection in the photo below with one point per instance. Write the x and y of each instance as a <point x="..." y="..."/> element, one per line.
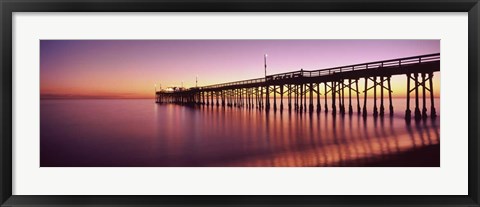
<point x="319" y="139"/>
<point x="133" y="133"/>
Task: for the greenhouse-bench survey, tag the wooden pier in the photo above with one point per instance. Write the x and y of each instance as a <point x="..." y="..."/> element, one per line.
<point x="302" y="89"/>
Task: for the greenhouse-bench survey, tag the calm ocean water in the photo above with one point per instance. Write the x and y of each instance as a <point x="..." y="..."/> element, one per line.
<point x="140" y="133"/>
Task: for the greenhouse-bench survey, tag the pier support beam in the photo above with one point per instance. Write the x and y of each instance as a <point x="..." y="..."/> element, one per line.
<point x="281" y="97"/>
<point x="343" y="97"/>
<point x="390" y="96"/>
<point x="365" y="98"/>
<point x="311" y="98"/>
<point x="304" y="97"/>
<point x="261" y="98"/>
<point x="289" y="96"/>
<point x="257" y="104"/>
<point x="334" y="108"/>
<point x="301" y="97"/>
<point x="408" y="113"/>
<point x="382" y="107"/>
<point x="295" y="100"/>
<point x="223" y="98"/>
<point x="424" y="108"/>
<point x="418" y="115"/>
<point x="358" y="98"/>
<point x="350" y="108"/>
<point x="208" y="99"/>
<point x="326" y="97"/>
<point x="252" y="98"/>
<point x="375" y="109"/>
<point x="274" y="97"/>
<point x="318" y="98"/>
<point x="248" y="98"/>
<point x="433" y="112"/>
<point x="234" y="98"/>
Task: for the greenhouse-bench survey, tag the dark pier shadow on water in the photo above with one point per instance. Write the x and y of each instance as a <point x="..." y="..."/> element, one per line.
<point x="290" y="138"/>
<point x="424" y="152"/>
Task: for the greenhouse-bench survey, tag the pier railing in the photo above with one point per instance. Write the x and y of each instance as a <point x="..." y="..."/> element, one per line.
<point x="392" y="63"/>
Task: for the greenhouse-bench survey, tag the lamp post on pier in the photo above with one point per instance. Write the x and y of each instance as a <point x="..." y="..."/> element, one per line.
<point x="265" y="62"/>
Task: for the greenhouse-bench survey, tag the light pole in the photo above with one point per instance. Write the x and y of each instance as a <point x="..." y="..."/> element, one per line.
<point x="196" y="81"/>
<point x="265" y="61"/>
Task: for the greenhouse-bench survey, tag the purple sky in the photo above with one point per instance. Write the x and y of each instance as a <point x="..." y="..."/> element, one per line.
<point x="130" y="68"/>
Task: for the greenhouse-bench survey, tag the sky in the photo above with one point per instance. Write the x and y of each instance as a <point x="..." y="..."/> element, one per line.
<point x="131" y="68"/>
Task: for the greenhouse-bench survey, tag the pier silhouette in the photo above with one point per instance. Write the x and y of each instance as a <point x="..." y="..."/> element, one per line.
<point x="302" y="89"/>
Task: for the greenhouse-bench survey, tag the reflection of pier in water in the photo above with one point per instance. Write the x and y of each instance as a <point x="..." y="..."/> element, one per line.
<point x="329" y="140"/>
<point x="301" y="88"/>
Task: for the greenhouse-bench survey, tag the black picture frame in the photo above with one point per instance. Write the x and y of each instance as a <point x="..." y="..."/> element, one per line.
<point x="7" y="8"/>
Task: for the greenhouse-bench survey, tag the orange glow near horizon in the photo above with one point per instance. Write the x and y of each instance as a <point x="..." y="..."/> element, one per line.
<point x="131" y="68"/>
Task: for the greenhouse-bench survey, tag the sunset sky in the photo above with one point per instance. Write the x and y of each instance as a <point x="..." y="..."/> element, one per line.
<point x="130" y="68"/>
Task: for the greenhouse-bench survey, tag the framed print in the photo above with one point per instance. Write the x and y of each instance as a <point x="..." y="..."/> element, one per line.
<point x="239" y="103"/>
